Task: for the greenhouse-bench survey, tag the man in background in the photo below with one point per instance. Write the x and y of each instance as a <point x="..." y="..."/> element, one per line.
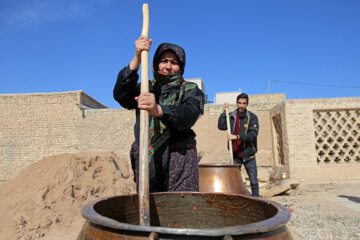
<point x="244" y="130"/>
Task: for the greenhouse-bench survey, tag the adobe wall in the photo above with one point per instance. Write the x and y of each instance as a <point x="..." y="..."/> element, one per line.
<point x="33" y="126"/>
<point x="314" y="139"/>
<point x="320" y="138"/>
<point x="106" y="130"/>
<point x="267" y="98"/>
<point x="88" y="101"/>
<point x="230" y="97"/>
<point x="280" y="137"/>
<point x="260" y="104"/>
<point x="112" y="130"/>
<point x="257" y="102"/>
<point x="37" y="125"/>
<point x="212" y="141"/>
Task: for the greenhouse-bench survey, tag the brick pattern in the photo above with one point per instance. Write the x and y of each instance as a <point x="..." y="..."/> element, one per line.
<point x="337" y="136"/>
<point x="257" y="103"/>
<point x="276" y="111"/>
<point x="37" y="125"/>
<point x="33" y="126"/>
<point x="278" y="148"/>
<point x="299" y="139"/>
<point x="90" y="102"/>
<point x="267" y="98"/>
<point x="106" y="130"/>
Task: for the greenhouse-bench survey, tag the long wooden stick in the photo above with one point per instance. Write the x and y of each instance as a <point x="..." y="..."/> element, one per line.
<point x="229" y="132"/>
<point x="144" y="209"/>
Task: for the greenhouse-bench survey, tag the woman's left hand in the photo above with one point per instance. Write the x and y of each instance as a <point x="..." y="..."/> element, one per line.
<point x="146" y="101"/>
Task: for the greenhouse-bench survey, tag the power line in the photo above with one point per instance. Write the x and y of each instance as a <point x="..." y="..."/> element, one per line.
<point x="310" y="84"/>
<point x="315" y="84"/>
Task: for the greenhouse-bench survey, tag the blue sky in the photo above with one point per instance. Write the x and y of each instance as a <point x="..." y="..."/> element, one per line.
<point x="305" y="48"/>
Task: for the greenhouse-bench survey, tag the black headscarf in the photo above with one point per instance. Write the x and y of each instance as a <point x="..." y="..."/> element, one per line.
<point x="179" y="51"/>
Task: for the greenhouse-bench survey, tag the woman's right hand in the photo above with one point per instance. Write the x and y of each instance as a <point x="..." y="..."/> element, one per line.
<point x="141" y="44"/>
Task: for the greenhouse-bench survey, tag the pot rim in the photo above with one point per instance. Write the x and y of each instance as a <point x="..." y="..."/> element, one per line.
<point x="219" y="165"/>
<point x="275" y="222"/>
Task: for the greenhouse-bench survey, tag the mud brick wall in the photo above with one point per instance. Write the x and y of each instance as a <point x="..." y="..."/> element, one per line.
<point x="300" y="135"/>
<point x="280" y="137"/>
<point x="86" y="100"/>
<point x="209" y="135"/>
<point x="106" y="130"/>
<point x="257" y="102"/>
<point x="267" y="98"/>
<point x="307" y="155"/>
<point x="260" y="104"/>
<point x="36" y="125"/>
<point x="33" y="126"/>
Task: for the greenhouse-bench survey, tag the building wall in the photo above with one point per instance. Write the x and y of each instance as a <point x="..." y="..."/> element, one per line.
<point x="199" y="83"/>
<point x="264" y="156"/>
<point x="37" y="125"/>
<point x="309" y="139"/>
<point x="230" y="97"/>
<point x="280" y="137"/>
<point x="103" y="130"/>
<point x="90" y="102"/>
<point x="226" y="97"/>
<point x="259" y="105"/>
<point x="33" y="126"/>
<point x="212" y="142"/>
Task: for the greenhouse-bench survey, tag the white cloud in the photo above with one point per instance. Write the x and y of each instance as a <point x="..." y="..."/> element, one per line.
<point x="35" y="13"/>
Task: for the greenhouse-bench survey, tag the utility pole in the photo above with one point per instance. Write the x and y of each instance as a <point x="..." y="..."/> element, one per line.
<point x="268" y="97"/>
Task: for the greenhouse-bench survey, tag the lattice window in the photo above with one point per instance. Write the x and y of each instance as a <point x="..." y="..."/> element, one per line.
<point x="279" y="139"/>
<point x="337" y="135"/>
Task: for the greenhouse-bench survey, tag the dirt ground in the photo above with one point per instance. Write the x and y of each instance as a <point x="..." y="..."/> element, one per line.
<point x="45" y="200"/>
<point x="324" y="211"/>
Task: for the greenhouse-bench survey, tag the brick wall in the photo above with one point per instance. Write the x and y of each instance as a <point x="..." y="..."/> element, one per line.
<point x="33" y="126"/>
<point x="299" y="139"/>
<point x="257" y="102"/>
<point x="107" y="130"/>
<point x="213" y="143"/>
<point x="267" y="98"/>
<point x="37" y="125"/>
<point x="90" y="102"/>
<point x="230" y="97"/>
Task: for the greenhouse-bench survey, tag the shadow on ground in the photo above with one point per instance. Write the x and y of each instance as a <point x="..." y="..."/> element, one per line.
<point x="351" y="198"/>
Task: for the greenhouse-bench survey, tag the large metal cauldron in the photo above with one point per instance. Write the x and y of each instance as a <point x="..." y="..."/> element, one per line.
<point x="224" y="178"/>
<point x="186" y="215"/>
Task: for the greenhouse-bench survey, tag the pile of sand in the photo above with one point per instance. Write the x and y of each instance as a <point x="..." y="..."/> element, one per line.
<point x="45" y="200"/>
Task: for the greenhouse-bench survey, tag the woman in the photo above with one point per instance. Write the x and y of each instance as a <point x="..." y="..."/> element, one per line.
<point x="174" y="105"/>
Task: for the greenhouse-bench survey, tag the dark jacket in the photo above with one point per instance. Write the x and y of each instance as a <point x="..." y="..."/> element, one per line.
<point x="178" y="118"/>
<point x="249" y="129"/>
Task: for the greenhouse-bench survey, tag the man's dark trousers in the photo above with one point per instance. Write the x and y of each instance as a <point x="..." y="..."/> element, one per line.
<point x="251" y="169"/>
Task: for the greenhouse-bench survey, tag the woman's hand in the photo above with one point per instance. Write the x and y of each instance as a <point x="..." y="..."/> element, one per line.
<point x="141" y="44"/>
<point x="146" y="101"/>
